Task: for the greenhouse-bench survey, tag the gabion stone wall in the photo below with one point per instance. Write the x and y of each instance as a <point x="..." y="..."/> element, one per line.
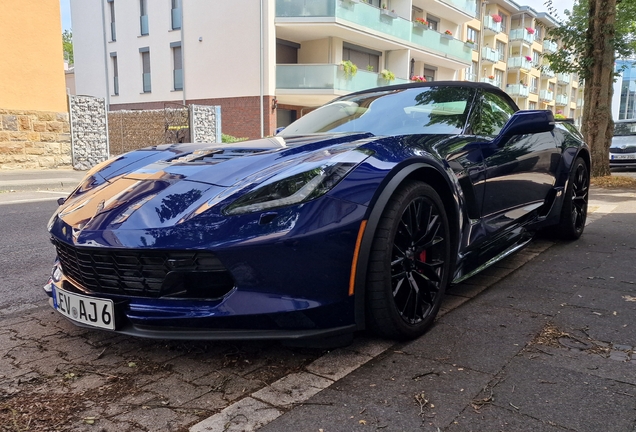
<point x="89" y="137"/>
<point x="206" y="123"/>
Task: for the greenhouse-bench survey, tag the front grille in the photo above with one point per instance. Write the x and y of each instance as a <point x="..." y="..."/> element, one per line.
<point x="145" y="273"/>
<point x="618" y="150"/>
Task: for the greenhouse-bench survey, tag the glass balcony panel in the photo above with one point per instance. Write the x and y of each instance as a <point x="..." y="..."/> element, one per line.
<point x="178" y="79"/>
<point x="561" y="100"/>
<point x="489" y="54"/>
<point x="519" y="62"/>
<point x="492" y="81"/>
<point x="521" y="34"/>
<point x="371" y="17"/>
<point x="546" y="95"/>
<point x="547" y="73"/>
<point x="176" y="18"/>
<point x="563" y="78"/>
<point x="549" y="46"/>
<point x="470" y="7"/>
<point x="143" y="22"/>
<point x="490" y="24"/>
<point x="517" y="90"/>
<point x="327" y="77"/>
<point x="146" y="82"/>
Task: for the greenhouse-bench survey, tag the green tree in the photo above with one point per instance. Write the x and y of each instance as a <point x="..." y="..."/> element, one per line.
<point x="67" y="44"/>
<point x="593" y="35"/>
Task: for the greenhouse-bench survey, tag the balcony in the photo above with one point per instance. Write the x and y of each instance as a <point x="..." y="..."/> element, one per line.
<point x="547" y="73"/>
<point x="328" y="79"/>
<point x="518" y="90"/>
<point x="492" y="81"/>
<point x="458" y="11"/>
<point x="561" y="100"/>
<point x="564" y="78"/>
<point x="549" y="46"/>
<point x="519" y="63"/>
<point x="352" y="18"/>
<point x="521" y="34"/>
<point x="490" y="26"/>
<point x="579" y="102"/>
<point x="546" y="95"/>
<point x="489" y="55"/>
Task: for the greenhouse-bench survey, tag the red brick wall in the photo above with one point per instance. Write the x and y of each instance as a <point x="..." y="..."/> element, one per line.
<point x="240" y="116"/>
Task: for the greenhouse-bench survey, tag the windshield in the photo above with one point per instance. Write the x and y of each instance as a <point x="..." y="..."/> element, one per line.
<point x="624" y="129"/>
<point x="420" y="110"/>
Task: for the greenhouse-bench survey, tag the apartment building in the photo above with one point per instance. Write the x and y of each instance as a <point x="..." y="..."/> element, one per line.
<point x="34" y="122"/>
<point x="265" y="62"/>
<point x="510" y="43"/>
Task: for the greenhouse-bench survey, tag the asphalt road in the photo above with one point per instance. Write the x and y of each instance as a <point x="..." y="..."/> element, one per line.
<point x="26" y="255"/>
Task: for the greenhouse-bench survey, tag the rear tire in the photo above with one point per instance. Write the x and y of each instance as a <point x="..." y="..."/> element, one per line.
<point x="574" y="210"/>
<point x="409" y="263"/>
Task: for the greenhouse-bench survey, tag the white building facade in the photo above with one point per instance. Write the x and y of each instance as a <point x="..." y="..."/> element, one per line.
<point x="265" y="62"/>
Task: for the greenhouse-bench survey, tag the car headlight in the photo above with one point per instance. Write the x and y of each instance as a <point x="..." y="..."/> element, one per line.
<point x="294" y="189"/>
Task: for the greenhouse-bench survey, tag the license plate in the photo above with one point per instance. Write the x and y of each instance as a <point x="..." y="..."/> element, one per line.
<point x="623" y="156"/>
<point x="94" y="312"/>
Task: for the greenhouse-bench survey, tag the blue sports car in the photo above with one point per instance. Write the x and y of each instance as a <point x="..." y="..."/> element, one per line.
<point x="356" y="216"/>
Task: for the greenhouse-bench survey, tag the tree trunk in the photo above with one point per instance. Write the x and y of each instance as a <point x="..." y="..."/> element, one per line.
<point x="598" y="126"/>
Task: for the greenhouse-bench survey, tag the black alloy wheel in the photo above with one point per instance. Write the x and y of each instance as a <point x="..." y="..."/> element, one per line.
<point x="574" y="211"/>
<point x="409" y="264"/>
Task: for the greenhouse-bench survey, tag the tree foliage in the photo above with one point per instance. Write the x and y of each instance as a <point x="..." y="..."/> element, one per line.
<point x="592" y="36"/>
<point x="67" y="45"/>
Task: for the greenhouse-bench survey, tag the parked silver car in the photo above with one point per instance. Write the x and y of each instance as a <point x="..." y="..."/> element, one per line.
<point x="622" y="152"/>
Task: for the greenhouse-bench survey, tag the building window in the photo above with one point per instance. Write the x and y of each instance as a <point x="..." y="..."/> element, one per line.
<point x="471" y="72"/>
<point x="499" y="77"/>
<point x="501" y="51"/>
<point x="176" y="14"/>
<point x="177" y="61"/>
<point x="429" y="73"/>
<point x="472" y="34"/>
<point x="111" y="7"/>
<point x="113" y="56"/>
<point x="532" y="105"/>
<point x="534" y="88"/>
<point x="551" y="87"/>
<point x="538" y="33"/>
<point x="433" y="22"/>
<point x="504" y="23"/>
<point x="145" y="66"/>
<point x="536" y="58"/>
<point x="143" y="17"/>
<point x="362" y="57"/>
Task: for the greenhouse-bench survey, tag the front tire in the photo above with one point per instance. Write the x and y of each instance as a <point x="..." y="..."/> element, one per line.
<point x="409" y="263"/>
<point x="574" y="210"/>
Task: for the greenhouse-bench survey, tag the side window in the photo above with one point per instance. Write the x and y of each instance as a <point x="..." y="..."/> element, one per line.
<point x="493" y="115"/>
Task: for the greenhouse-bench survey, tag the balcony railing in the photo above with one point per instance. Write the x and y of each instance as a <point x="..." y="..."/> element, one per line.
<point x="489" y="54"/>
<point x="146" y="82"/>
<point x="492" y="81"/>
<point x="178" y="79"/>
<point x="519" y="63"/>
<point x="563" y="78"/>
<point x="521" y="34"/>
<point x="546" y="95"/>
<point x="561" y="100"/>
<point x="517" y="90"/>
<point x="367" y="16"/>
<point x="549" y="46"/>
<point x="490" y="24"/>
<point x="469" y="7"/>
<point x="547" y="73"/>
<point x="327" y="77"/>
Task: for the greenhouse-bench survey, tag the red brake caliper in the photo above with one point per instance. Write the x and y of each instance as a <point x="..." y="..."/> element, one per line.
<point x="423" y="256"/>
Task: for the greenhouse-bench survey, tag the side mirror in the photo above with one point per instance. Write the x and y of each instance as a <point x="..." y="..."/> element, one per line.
<point x="528" y="122"/>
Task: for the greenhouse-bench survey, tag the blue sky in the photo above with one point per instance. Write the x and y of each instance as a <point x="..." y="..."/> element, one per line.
<point x="65" y="6"/>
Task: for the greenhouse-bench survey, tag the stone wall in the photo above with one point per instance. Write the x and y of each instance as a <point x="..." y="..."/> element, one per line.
<point x="206" y="123"/>
<point x="89" y="135"/>
<point x="34" y="139"/>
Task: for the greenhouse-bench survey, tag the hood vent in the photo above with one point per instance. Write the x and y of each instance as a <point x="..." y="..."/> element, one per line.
<point x="212" y="156"/>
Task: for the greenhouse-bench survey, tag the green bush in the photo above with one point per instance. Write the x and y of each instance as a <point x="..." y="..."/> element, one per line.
<point x="231" y="139"/>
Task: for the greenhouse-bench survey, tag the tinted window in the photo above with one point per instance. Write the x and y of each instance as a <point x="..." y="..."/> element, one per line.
<point x="622" y="129"/>
<point x="493" y="115"/>
<point x="422" y="110"/>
